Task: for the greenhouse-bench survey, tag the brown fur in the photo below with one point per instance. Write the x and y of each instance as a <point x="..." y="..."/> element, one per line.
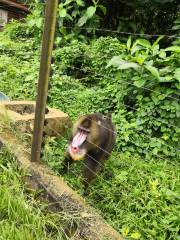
<point x="98" y="145"/>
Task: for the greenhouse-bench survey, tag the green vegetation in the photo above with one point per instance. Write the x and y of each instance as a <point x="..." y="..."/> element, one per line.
<point x="138" y="198"/>
<point x="22" y="215"/>
<point x="139" y="82"/>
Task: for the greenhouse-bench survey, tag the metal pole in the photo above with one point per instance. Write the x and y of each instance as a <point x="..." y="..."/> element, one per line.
<point x="45" y="66"/>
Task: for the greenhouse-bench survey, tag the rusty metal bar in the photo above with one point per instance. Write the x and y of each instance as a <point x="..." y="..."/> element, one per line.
<point x="45" y="66"/>
<point x="16" y="5"/>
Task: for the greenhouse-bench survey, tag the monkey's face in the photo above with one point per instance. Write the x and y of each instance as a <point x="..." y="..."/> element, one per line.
<point x="85" y="137"/>
<point x="77" y="148"/>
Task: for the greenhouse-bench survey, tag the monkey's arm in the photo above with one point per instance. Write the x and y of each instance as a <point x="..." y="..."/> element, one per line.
<point x="90" y="170"/>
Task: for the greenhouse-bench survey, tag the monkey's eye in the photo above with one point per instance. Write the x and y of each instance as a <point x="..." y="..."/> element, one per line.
<point x="85" y="130"/>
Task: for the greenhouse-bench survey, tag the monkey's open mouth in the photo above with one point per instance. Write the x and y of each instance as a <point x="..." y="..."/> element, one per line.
<point x="75" y="150"/>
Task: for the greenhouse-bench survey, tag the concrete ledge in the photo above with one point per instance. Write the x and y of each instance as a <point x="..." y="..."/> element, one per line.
<point x="91" y="225"/>
<point x="21" y="113"/>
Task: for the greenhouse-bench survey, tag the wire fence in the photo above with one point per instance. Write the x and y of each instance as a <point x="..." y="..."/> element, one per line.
<point x="146" y="35"/>
<point x="88" y="29"/>
<point x="147" y="137"/>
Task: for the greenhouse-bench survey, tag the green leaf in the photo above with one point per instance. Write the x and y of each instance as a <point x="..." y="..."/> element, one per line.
<point x="149" y="63"/>
<point x="80" y="3"/>
<point x="173" y="49"/>
<point x="157" y="41"/>
<point x="129" y="43"/>
<point x="139" y="83"/>
<point x="177" y="85"/>
<point x="68" y="16"/>
<point x="90" y="11"/>
<point x="39" y="22"/>
<point x="162" y="54"/>
<point x="135" y="48"/>
<point x="103" y="9"/>
<point x="67" y="2"/>
<point x="31" y="22"/>
<point x="136" y="235"/>
<point x="118" y="62"/>
<point x="115" y="61"/>
<point x="127" y="65"/>
<point x="62" y="12"/>
<point x="153" y="70"/>
<point x="144" y="43"/>
<point x="177" y="74"/>
<point x="82" y="20"/>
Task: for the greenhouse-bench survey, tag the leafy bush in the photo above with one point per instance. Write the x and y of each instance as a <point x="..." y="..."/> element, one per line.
<point x="140" y="86"/>
<point x="141" y="90"/>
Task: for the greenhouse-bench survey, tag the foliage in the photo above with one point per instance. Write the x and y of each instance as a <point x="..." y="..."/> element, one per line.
<point x="31" y="28"/>
<point x="21" y="71"/>
<point x="140" y="199"/>
<point x="140" y="86"/>
<point x="176" y="28"/>
<point x="141" y="89"/>
<point x="23" y="216"/>
<point x="134" y="16"/>
<point x="128" y="16"/>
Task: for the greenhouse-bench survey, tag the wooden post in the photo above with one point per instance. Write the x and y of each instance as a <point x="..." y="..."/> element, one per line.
<point x="45" y="67"/>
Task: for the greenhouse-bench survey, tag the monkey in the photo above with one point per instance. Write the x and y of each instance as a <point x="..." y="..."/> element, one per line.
<point x="93" y="138"/>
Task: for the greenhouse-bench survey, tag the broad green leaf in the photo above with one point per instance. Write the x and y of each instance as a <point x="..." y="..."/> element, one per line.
<point x="39" y="22"/>
<point x="177" y="74"/>
<point x="157" y="41"/>
<point x="173" y="49"/>
<point x="144" y="43"/>
<point x="135" y="48"/>
<point x="82" y="20"/>
<point x="75" y="13"/>
<point x="149" y="63"/>
<point x="103" y="9"/>
<point x="165" y="70"/>
<point x="177" y="85"/>
<point x="176" y="27"/>
<point x="162" y="54"/>
<point x="90" y="11"/>
<point x="139" y="83"/>
<point x="156" y="50"/>
<point x="129" y="43"/>
<point x="168" y="78"/>
<point x="140" y="58"/>
<point x="155" y="99"/>
<point x="80" y="3"/>
<point x="127" y="65"/>
<point x="32" y="22"/>
<point x="118" y="62"/>
<point x="68" y="16"/>
<point x="115" y="61"/>
<point x="154" y="71"/>
<point x="62" y="12"/>
<point x="67" y="2"/>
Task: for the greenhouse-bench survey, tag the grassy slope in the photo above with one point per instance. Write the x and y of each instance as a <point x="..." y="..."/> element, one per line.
<point x="138" y="198"/>
<point x="21" y="216"/>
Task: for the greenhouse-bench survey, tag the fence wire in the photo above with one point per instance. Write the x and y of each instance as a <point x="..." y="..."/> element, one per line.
<point x="175" y="36"/>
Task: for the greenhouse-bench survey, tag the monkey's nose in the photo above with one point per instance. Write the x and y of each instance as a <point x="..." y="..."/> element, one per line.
<point x="74" y="149"/>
